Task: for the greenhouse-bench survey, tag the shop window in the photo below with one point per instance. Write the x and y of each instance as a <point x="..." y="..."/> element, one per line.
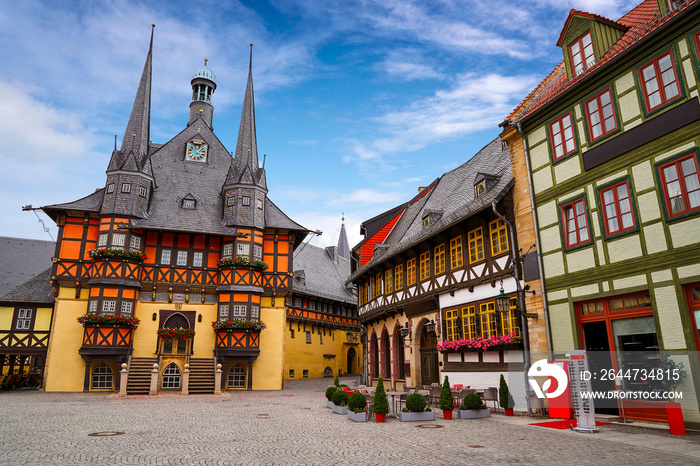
<point x="398" y="277"/>
<point x="476" y="245"/>
<point x="600" y="115"/>
<point x="425" y="265"/>
<point x="575" y="223"/>
<point x="617" y="209"/>
<point x="411" y="272"/>
<point x="487" y="314"/>
<point x="305" y="373"/>
<point x="499" y="237"/>
<point x="102" y="377"/>
<point x="469" y="322"/>
<point x="171" y="377"/>
<point x="659" y="81"/>
<point x="592" y="308"/>
<point x="561" y="136"/>
<point x="581" y="53"/>
<point x="439" y="259"/>
<point x="456" y="256"/>
<point x="236" y="376"/>
<point x="680" y="185"/>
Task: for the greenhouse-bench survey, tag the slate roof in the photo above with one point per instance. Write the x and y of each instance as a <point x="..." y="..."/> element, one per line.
<point x="641" y="20"/>
<point x="21" y="260"/>
<point x="452" y="198"/>
<point x="324" y="277"/>
<point x="35" y="290"/>
<point x="90" y="203"/>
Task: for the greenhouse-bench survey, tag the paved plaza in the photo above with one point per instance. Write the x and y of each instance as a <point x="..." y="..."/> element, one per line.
<point x="293" y="426"/>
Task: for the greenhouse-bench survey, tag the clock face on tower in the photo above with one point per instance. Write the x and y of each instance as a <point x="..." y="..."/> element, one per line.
<point x="196" y="152"/>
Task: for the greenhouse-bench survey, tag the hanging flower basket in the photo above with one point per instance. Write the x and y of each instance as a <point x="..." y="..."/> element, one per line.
<point x="115" y="253"/>
<point x="97" y="319"/>
<point x="493" y="343"/>
<point x="179" y="333"/>
<point x="242" y="261"/>
<point x="237" y="324"/>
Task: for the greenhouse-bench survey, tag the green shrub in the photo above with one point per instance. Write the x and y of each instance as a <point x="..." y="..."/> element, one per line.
<point x="381" y="404"/>
<point x="447" y="403"/>
<point x="357" y="401"/>
<point x="340" y="397"/>
<point x="330" y="391"/>
<point x="415" y="402"/>
<point x="336" y="382"/>
<point x="472" y="401"/>
<point x="505" y="399"/>
<point x="342" y="385"/>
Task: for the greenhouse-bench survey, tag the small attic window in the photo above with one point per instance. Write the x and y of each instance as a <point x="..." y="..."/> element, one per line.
<point x="480" y="188"/>
<point x="426" y="220"/>
<point x="582" y="53"/>
<point x="189" y="204"/>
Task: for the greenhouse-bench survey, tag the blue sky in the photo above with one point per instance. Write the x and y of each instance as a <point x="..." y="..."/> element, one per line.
<point x="358" y="103"/>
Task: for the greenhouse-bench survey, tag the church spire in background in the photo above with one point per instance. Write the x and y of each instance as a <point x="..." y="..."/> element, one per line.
<point x="343" y="245"/>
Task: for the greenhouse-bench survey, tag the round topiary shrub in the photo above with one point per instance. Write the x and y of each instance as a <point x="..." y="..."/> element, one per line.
<point x="472" y="401"/>
<point x="415" y="403"/>
<point x="330" y="391"/>
<point x="339" y="397"/>
<point x="357" y="401"/>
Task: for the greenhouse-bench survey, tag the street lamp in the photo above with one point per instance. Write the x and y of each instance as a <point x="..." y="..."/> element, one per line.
<point x="430" y="327"/>
<point x="405" y="334"/>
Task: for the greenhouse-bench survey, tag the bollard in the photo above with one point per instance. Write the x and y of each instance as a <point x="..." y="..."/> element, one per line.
<point x="217" y="380"/>
<point x="186" y="380"/>
<point x="154" y="380"/>
<point x="123" y="380"/>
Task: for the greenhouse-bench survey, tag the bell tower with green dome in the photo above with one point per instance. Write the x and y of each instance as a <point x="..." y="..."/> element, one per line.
<point x="203" y="86"/>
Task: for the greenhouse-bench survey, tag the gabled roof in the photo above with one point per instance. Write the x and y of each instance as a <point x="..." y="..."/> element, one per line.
<point x="641" y="21"/>
<point x="601" y="19"/>
<point x="453" y="195"/>
<point x="323" y="277"/>
<point x="21" y="260"/>
<point x="36" y="290"/>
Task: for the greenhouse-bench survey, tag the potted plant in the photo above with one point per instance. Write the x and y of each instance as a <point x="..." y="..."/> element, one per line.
<point x="356" y="407"/>
<point x="473" y="407"/>
<point x="336" y="382"/>
<point x="505" y="399"/>
<point x="381" y="404"/>
<point x="673" y="376"/>
<point x="447" y="402"/>
<point x="340" y="402"/>
<point x="329" y="395"/>
<point x="415" y="409"/>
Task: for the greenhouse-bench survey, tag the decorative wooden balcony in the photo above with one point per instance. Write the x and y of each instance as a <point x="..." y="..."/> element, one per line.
<point x="106" y="335"/>
<point x="238" y="338"/>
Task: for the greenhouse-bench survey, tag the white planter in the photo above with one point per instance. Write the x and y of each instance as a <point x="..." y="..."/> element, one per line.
<point x="424" y="416"/>
<point x="329" y="404"/>
<point x="357" y="417"/>
<point x="473" y="413"/>
<point x="340" y="409"/>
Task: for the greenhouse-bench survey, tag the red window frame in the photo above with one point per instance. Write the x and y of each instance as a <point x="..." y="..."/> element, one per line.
<point x="600" y="111"/>
<point x="574" y="220"/>
<point x="617" y="207"/>
<point x="561" y="136"/>
<point x="662" y="69"/>
<point x="585" y="56"/>
<point x="684" y="183"/>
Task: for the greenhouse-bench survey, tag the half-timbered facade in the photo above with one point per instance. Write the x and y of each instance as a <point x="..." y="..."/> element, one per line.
<point x="611" y="140"/>
<point x="181" y="260"/>
<point x="438" y="263"/>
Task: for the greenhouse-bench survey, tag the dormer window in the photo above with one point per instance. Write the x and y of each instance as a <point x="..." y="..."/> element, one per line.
<point x="126" y="187"/>
<point x="582" y="53"/>
<point x="188" y="203"/>
<point x="426" y="221"/>
<point x="231" y="201"/>
<point x="480" y="188"/>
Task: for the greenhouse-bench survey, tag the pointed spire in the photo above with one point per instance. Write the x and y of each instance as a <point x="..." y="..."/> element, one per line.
<point x="343" y="245"/>
<point x="137" y="134"/>
<point x="247" y="146"/>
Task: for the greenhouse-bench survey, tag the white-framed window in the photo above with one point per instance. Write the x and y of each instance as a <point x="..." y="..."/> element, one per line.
<point x="246" y="200"/>
<point x="297" y="302"/>
<point x="308" y="336"/>
<point x="188" y="204"/>
<point x="259" y="203"/>
<point x="24" y="319"/>
<point x="126" y="187"/>
<point x="254" y="312"/>
<point x="102" y="240"/>
<point x="118" y="239"/>
<point x="257" y="252"/>
<point x="135" y="243"/>
<point x="239" y="310"/>
<point x="312" y="305"/>
<point x="110" y="188"/>
<point x="231" y="201"/>
<point x="102" y="377"/>
<point x="228" y="250"/>
<point x="108" y="307"/>
<point x="243" y="249"/>
<point x="223" y="311"/>
<point x="236" y="376"/>
<point x="93" y="307"/>
<point x="165" y="257"/>
<point x="126" y="308"/>
<point x="142" y="191"/>
<point x="182" y="258"/>
<point x="197" y="259"/>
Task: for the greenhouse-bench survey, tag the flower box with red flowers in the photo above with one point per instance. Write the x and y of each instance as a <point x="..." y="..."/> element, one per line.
<point x="241" y="261"/>
<point x="116" y="254"/>
<point x="178" y="333"/>
<point x="492" y="343"/>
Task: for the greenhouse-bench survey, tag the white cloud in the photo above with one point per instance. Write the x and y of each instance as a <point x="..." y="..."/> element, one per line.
<point x="368" y="196"/>
<point x="410" y="65"/>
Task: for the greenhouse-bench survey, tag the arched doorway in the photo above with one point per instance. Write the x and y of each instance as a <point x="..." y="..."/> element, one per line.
<point x="386" y="355"/>
<point x="176" y="346"/>
<point x="374" y="360"/>
<point x="428" y="356"/>
<point x="351" y="361"/>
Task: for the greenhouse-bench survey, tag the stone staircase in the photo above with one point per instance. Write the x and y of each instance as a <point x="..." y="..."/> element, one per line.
<point x="139" y="381"/>
<point x="201" y="376"/>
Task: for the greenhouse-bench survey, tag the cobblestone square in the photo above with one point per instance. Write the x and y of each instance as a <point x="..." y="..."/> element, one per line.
<point x="293" y="426"/>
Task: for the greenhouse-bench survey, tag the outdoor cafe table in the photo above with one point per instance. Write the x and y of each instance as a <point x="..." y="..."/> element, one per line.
<point x="393" y="401"/>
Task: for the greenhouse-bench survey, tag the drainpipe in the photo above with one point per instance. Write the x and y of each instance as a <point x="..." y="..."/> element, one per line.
<point x="545" y="306"/>
<point x="521" y="299"/>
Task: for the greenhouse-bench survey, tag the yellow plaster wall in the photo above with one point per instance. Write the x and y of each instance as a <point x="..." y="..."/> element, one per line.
<point x="65" y="369"/>
<point x="6" y="314"/>
<point x="268" y="367"/>
<point x="42" y="322"/>
<point x="300" y="356"/>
